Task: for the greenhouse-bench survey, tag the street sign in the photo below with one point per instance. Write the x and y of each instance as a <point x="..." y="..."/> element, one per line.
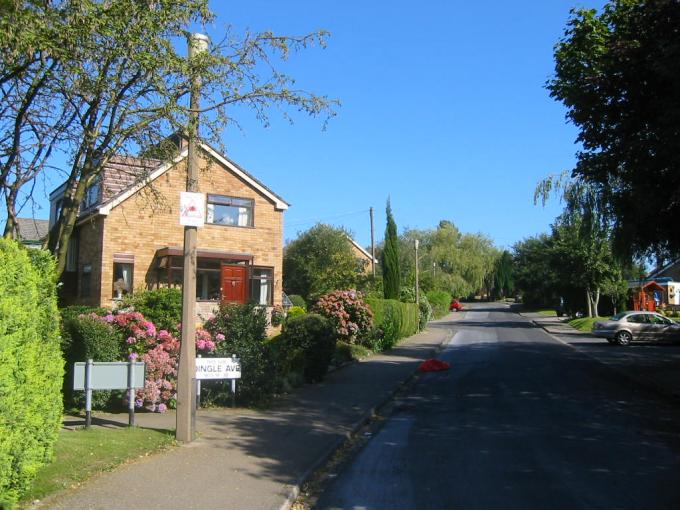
<point x="218" y="368"/>
<point x="191" y="209"/>
<point x="109" y="375"/>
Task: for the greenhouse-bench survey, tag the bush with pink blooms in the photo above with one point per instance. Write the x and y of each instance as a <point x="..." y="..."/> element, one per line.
<point x="349" y="314"/>
<point x="159" y="350"/>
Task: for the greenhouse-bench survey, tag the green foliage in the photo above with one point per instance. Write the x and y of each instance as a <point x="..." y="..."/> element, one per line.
<point x="319" y="261"/>
<point x="392" y="321"/>
<point x="31" y="367"/>
<point x="424" y="311"/>
<point x="163" y="307"/>
<point x="535" y="277"/>
<point x="440" y="301"/>
<point x="83" y="338"/>
<point x="298" y="300"/>
<point x="391" y="275"/>
<point x="616" y="73"/>
<point x="295" y="311"/>
<point x="407" y="294"/>
<point x="503" y="282"/>
<point x="310" y="343"/>
<point x="245" y="330"/>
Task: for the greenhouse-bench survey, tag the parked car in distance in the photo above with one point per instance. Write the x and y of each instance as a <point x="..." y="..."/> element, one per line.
<point x="626" y="327"/>
<point x="455" y="306"/>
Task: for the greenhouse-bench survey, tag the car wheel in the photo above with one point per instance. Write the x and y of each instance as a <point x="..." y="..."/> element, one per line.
<point x="623" y="338"/>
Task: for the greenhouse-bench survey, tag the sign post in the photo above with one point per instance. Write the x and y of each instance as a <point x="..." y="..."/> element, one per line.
<point x="109" y="375"/>
<point x="219" y="368"/>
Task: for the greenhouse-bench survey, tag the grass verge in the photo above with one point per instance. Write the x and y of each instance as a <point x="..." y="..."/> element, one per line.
<point x="81" y="454"/>
<point x="585" y="323"/>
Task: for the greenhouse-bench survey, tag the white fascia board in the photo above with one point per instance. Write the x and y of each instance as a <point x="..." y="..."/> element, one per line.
<point x="278" y="203"/>
<point x="105" y="210"/>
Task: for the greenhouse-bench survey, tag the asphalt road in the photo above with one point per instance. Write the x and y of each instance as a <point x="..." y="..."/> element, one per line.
<point x="521" y="421"/>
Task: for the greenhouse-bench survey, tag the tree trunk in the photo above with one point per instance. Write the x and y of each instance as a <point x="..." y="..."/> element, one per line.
<point x="596" y="302"/>
<point x="590" y="308"/>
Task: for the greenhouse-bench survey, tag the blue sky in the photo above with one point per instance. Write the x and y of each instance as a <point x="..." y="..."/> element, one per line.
<point x="443" y="109"/>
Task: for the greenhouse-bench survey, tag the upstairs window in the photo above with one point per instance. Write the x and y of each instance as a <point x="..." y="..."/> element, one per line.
<point x="92" y="194"/>
<point x="232" y="211"/>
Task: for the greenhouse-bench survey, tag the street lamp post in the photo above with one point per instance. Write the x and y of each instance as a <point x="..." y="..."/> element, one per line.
<point x="417" y="243"/>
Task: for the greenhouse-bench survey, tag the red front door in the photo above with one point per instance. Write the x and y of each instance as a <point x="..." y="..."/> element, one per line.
<point x="233" y="284"/>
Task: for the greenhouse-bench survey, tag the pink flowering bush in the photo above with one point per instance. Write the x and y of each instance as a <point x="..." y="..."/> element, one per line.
<point x="159" y="350"/>
<point x="349" y="314"/>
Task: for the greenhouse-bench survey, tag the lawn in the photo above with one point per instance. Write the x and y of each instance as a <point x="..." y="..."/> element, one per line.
<point x="81" y="454"/>
<point x="585" y="323"/>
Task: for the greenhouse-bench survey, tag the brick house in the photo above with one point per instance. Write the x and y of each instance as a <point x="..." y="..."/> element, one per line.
<point x="363" y="255"/>
<point x="128" y="235"/>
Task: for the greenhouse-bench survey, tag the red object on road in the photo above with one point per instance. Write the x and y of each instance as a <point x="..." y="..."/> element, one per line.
<point x="433" y="365"/>
<point x="455" y="306"/>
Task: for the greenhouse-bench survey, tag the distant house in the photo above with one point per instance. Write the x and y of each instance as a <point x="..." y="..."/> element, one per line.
<point x="125" y="239"/>
<point x="363" y="255"/>
<point x="668" y="277"/>
<point x="32" y="232"/>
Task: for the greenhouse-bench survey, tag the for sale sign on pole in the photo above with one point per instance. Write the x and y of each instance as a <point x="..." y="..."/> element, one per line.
<point x="191" y="209"/>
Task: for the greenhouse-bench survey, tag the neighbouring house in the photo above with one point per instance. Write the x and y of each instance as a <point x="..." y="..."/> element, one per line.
<point x="363" y="255"/>
<point x="665" y="290"/>
<point x="129" y="237"/>
<point x="32" y="232"/>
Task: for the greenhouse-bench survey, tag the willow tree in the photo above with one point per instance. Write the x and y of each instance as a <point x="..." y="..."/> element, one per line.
<point x="120" y="75"/>
<point x="390" y="258"/>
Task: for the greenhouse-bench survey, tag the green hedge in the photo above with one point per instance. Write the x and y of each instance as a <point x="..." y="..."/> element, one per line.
<point x="86" y="338"/>
<point x="439" y="301"/>
<point x="31" y="367"/>
<point x="309" y="343"/>
<point x="392" y="320"/>
<point x="245" y="329"/>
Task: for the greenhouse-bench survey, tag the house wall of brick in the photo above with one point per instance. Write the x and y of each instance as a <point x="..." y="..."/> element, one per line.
<point x="145" y="223"/>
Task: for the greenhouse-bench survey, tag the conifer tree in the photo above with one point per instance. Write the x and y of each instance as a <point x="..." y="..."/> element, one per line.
<point x="390" y="258"/>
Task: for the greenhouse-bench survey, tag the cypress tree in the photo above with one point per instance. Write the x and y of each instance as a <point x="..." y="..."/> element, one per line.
<point x="390" y="258"/>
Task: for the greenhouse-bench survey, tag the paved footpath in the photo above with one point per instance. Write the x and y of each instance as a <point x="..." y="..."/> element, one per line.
<point x="248" y="459"/>
<point x="655" y="366"/>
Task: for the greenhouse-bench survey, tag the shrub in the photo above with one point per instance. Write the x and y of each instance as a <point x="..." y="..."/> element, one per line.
<point x="163" y="307"/>
<point x="407" y="294"/>
<point x="31" y="367"/>
<point x="393" y="320"/>
<point x="440" y="301"/>
<point x="348" y="313"/>
<point x="424" y="311"/>
<point x="295" y="311"/>
<point x="245" y="330"/>
<point x="298" y="300"/>
<point x="85" y="337"/>
<point x="310" y="342"/>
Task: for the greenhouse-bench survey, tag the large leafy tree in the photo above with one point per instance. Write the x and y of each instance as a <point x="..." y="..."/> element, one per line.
<point x="390" y="258"/>
<point x="535" y="277"/>
<point x="94" y="79"/>
<point x="617" y="73"/>
<point x="320" y="260"/>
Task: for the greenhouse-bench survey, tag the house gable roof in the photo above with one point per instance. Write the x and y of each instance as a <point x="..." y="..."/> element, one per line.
<point x="229" y="165"/>
<point x="361" y="249"/>
<point x="32" y="230"/>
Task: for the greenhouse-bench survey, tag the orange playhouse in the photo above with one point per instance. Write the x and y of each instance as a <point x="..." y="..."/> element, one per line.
<point x="644" y="298"/>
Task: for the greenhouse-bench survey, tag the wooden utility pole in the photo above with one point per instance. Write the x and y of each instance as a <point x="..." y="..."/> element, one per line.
<point x="186" y="374"/>
<point x="372" y="243"/>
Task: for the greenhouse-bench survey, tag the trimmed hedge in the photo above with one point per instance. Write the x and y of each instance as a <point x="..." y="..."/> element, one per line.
<point x="392" y="320"/>
<point x="31" y="367"/>
<point x="439" y="301"/>
<point x="84" y="338"/>
<point x="309" y="343"/>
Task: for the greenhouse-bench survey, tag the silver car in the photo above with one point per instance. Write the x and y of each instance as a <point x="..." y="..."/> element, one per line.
<point x="625" y="327"/>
